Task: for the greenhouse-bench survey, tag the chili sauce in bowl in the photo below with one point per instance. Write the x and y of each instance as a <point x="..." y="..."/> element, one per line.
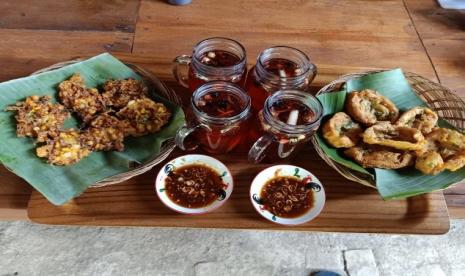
<point x="287" y="194"/>
<point x="194" y="184"/>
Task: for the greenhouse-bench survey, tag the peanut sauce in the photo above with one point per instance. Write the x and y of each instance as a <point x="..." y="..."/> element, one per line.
<point x="194" y="186"/>
<point x="286" y="197"/>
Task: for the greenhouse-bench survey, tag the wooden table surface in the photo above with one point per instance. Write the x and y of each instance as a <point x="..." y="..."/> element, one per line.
<point x="413" y="34"/>
<point x="349" y="207"/>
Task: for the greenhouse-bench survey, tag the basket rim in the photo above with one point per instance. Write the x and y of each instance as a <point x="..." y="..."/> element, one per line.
<point x="167" y="146"/>
<point x="331" y="87"/>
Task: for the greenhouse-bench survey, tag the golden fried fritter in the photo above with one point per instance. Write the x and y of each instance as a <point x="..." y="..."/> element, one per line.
<point x="421" y="118"/>
<point x="455" y="162"/>
<point x="39" y="118"/>
<point x="86" y="102"/>
<point x="143" y="116"/>
<point x="430" y="162"/>
<point x="398" y="137"/>
<point x="448" y="138"/>
<point x="105" y="133"/>
<point x="341" y="132"/>
<point x="368" y="107"/>
<point x="444" y="150"/>
<point x="65" y="149"/>
<point x="118" y="93"/>
<point x="369" y="156"/>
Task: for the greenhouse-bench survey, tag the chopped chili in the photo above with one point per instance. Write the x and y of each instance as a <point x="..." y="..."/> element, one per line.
<point x="286" y="196"/>
<point x="194" y="186"/>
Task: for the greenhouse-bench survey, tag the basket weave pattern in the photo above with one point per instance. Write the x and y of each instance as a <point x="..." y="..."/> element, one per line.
<point x="442" y="100"/>
<point x="155" y="86"/>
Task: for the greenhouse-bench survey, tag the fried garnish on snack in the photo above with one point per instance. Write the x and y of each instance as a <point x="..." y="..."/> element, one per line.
<point x="86" y="102"/>
<point x="421" y="118"/>
<point x="65" y="149"/>
<point x="143" y="116"/>
<point x="105" y="133"/>
<point x="118" y="93"/>
<point x="368" y="107"/>
<point x="398" y="137"/>
<point x="341" y="132"/>
<point x="38" y="117"/>
<point x="369" y="156"/>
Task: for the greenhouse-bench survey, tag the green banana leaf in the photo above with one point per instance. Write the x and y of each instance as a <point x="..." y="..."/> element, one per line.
<point x="391" y="184"/>
<point x="59" y="184"/>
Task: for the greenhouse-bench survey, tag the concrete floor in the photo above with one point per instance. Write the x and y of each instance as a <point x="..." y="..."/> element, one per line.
<point x="31" y="249"/>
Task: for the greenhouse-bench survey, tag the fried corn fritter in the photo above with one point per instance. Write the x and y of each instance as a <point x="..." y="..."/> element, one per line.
<point x="65" y="149"/>
<point x="143" y="116"/>
<point x="398" y="137"/>
<point x="421" y="118"/>
<point x="369" y="156"/>
<point x="368" y="107"/>
<point x="118" y="93"/>
<point x="86" y="102"/>
<point x="341" y="132"/>
<point x="105" y="133"/>
<point x="38" y="117"/>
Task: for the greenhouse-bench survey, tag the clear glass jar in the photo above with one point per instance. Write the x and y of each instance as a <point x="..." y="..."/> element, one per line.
<point x="217" y="118"/>
<point x="213" y="59"/>
<point x="278" y="68"/>
<point x="288" y="119"/>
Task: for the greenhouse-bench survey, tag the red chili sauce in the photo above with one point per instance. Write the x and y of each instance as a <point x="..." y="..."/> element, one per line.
<point x="194" y="186"/>
<point x="286" y="197"/>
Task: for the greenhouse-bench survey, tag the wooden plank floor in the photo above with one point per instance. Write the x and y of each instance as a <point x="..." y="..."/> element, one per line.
<point x="414" y="34"/>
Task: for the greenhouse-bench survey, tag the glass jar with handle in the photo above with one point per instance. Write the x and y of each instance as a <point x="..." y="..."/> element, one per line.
<point x="288" y="119"/>
<point x="278" y="68"/>
<point x="213" y="59"/>
<point x="217" y="118"/>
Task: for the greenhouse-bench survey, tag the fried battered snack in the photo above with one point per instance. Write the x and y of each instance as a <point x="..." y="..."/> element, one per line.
<point x="455" y="162"/>
<point x="368" y="107"/>
<point x="430" y="162"/>
<point x="448" y="138"/>
<point x="38" y="117"/>
<point x="65" y="149"/>
<point x="341" y="132"/>
<point x="444" y="150"/>
<point x="105" y="133"/>
<point x="86" y="102"/>
<point x="143" y="116"/>
<point x="118" y="93"/>
<point x="398" y="137"/>
<point x="369" y="156"/>
<point x="421" y="118"/>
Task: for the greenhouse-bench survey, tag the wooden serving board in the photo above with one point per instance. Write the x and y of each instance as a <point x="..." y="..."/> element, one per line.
<point x="350" y="207"/>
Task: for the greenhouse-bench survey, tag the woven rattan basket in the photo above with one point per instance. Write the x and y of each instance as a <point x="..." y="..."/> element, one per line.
<point x="155" y="86"/>
<point x="439" y="98"/>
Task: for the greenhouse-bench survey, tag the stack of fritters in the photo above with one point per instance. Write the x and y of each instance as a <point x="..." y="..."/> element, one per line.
<point x="122" y="109"/>
<point x="375" y="136"/>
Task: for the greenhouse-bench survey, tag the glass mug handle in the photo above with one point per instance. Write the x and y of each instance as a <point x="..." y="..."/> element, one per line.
<point x="183" y="135"/>
<point x="312" y="76"/>
<point x="181" y="60"/>
<point x="257" y="151"/>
